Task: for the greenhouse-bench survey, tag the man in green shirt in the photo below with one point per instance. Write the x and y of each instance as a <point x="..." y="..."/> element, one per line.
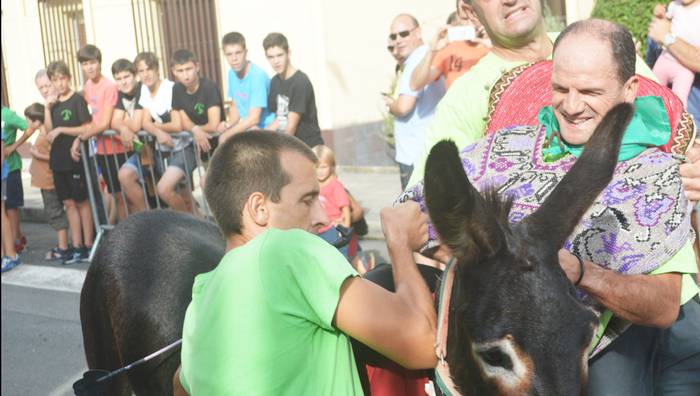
<point x="275" y="315"/>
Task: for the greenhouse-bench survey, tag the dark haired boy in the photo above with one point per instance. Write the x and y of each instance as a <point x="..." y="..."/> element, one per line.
<point x="291" y="94"/>
<point x="67" y="117"/>
<point x="101" y="94"/>
<point x="127" y="119"/>
<point x="198" y="106"/>
<point x="248" y="87"/>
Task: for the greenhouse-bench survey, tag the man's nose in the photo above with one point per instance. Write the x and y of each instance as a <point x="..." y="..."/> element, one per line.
<point x="318" y="215"/>
<point x="572" y="104"/>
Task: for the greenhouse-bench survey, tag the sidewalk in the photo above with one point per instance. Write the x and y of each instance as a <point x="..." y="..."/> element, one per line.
<point x="373" y="187"/>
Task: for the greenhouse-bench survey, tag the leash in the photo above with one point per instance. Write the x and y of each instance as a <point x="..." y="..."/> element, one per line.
<point x="442" y="370"/>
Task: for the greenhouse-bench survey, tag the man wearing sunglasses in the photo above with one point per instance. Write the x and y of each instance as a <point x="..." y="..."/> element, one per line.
<point x="413" y="109"/>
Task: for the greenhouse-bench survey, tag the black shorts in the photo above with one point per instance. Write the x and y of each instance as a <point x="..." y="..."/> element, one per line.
<point x="14" y="192"/>
<point x="70" y="185"/>
<point x="109" y="169"/>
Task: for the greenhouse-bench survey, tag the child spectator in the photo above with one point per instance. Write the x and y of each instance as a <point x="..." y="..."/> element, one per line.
<point x="42" y="178"/>
<point x="333" y="196"/>
<point x="156" y="99"/>
<point x="291" y="94"/>
<point x="67" y="117"/>
<point x="126" y="120"/>
<point x="248" y="87"/>
<point x="10" y="258"/>
<point x="100" y="93"/>
<point x="198" y="106"/>
<point x="14" y="190"/>
<point x="684" y="16"/>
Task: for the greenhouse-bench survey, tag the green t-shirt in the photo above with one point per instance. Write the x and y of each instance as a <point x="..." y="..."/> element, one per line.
<point x="462" y="113"/>
<point x="12" y="122"/>
<point x="260" y="323"/>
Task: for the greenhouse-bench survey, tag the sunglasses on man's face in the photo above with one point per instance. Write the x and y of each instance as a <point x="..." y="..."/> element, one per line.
<point x="402" y="34"/>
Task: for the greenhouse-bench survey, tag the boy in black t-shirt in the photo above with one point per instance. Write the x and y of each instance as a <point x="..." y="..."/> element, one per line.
<point x="126" y="119"/>
<point x="198" y="107"/>
<point x="291" y="94"/>
<point x="67" y="116"/>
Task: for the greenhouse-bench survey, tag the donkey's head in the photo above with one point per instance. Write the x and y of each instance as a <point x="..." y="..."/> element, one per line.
<point x="515" y="324"/>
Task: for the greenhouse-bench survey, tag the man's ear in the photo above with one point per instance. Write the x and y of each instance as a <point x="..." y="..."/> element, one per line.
<point x="256" y="209"/>
<point x="630" y="89"/>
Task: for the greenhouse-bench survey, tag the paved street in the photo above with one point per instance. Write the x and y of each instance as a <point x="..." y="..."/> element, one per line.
<point x="42" y="351"/>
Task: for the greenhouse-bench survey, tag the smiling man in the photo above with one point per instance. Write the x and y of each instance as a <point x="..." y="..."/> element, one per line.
<point x="292" y="96"/>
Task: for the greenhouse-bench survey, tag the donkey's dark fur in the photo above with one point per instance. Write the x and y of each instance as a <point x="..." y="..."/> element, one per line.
<point x="136" y="292"/>
<point x="515" y="324"/>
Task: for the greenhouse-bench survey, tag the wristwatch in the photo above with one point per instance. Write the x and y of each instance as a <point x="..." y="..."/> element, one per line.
<point x="669" y="38"/>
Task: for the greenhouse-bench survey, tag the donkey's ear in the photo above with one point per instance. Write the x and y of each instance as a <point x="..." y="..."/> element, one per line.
<point x="458" y="212"/>
<point x="554" y="221"/>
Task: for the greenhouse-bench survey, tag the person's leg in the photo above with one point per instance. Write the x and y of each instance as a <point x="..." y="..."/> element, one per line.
<point x="626" y="366"/>
<point x="86" y="222"/>
<point x="130" y="182"/>
<point x="15" y="200"/>
<point x="405" y="172"/>
<point x="76" y="232"/>
<point x="53" y="208"/>
<point x="678" y="361"/>
<point x="682" y="82"/>
<point x="662" y="69"/>
<point x="167" y="188"/>
<point x="8" y="240"/>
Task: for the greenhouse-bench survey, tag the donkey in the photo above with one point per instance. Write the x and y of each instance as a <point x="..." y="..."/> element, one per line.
<point x="515" y="324"/>
<point x="136" y="292"/>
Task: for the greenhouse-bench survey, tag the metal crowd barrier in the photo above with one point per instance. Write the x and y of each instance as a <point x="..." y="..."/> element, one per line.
<point x="159" y="163"/>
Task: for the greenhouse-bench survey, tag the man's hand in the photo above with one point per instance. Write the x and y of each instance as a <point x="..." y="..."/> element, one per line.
<point x="222" y="127"/>
<point x="658" y="28"/>
<point x="53" y="134"/>
<point x="690" y="174"/>
<point x="405" y="225"/>
<point x="127" y="137"/>
<point x="659" y="11"/>
<point x="164" y="139"/>
<point x="439" y="41"/>
<point x="569" y="263"/>
<point x="201" y="138"/>
<point x="75" y="150"/>
<point x="51" y="100"/>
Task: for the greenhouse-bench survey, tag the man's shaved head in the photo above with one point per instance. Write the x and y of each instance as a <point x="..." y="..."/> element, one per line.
<point x="617" y="37"/>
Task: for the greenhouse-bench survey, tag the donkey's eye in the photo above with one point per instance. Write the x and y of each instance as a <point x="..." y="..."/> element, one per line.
<point x="496" y="358"/>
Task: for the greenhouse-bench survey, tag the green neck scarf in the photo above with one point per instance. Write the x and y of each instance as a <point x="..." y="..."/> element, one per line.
<point x="649" y="127"/>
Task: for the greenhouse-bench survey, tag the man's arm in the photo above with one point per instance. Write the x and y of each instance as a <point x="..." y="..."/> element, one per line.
<point x="399" y="325"/>
<point x="647" y="300"/>
<point x="161" y="136"/>
<point x="178" y="390"/>
<point x="401" y="106"/>
<point x="25" y="135"/>
<point x="687" y="54"/>
<point x="101" y="125"/>
<point x="425" y="73"/>
<point x="252" y="120"/>
<point x="293" y="119"/>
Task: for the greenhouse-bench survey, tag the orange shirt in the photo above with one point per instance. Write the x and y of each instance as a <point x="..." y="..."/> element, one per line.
<point x="42" y="177"/>
<point x="457" y="58"/>
<point x="98" y="96"/>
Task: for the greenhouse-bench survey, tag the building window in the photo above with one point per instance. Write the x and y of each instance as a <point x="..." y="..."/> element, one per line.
<point x="164" y="26"/>
<point x="63" y="33"/>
